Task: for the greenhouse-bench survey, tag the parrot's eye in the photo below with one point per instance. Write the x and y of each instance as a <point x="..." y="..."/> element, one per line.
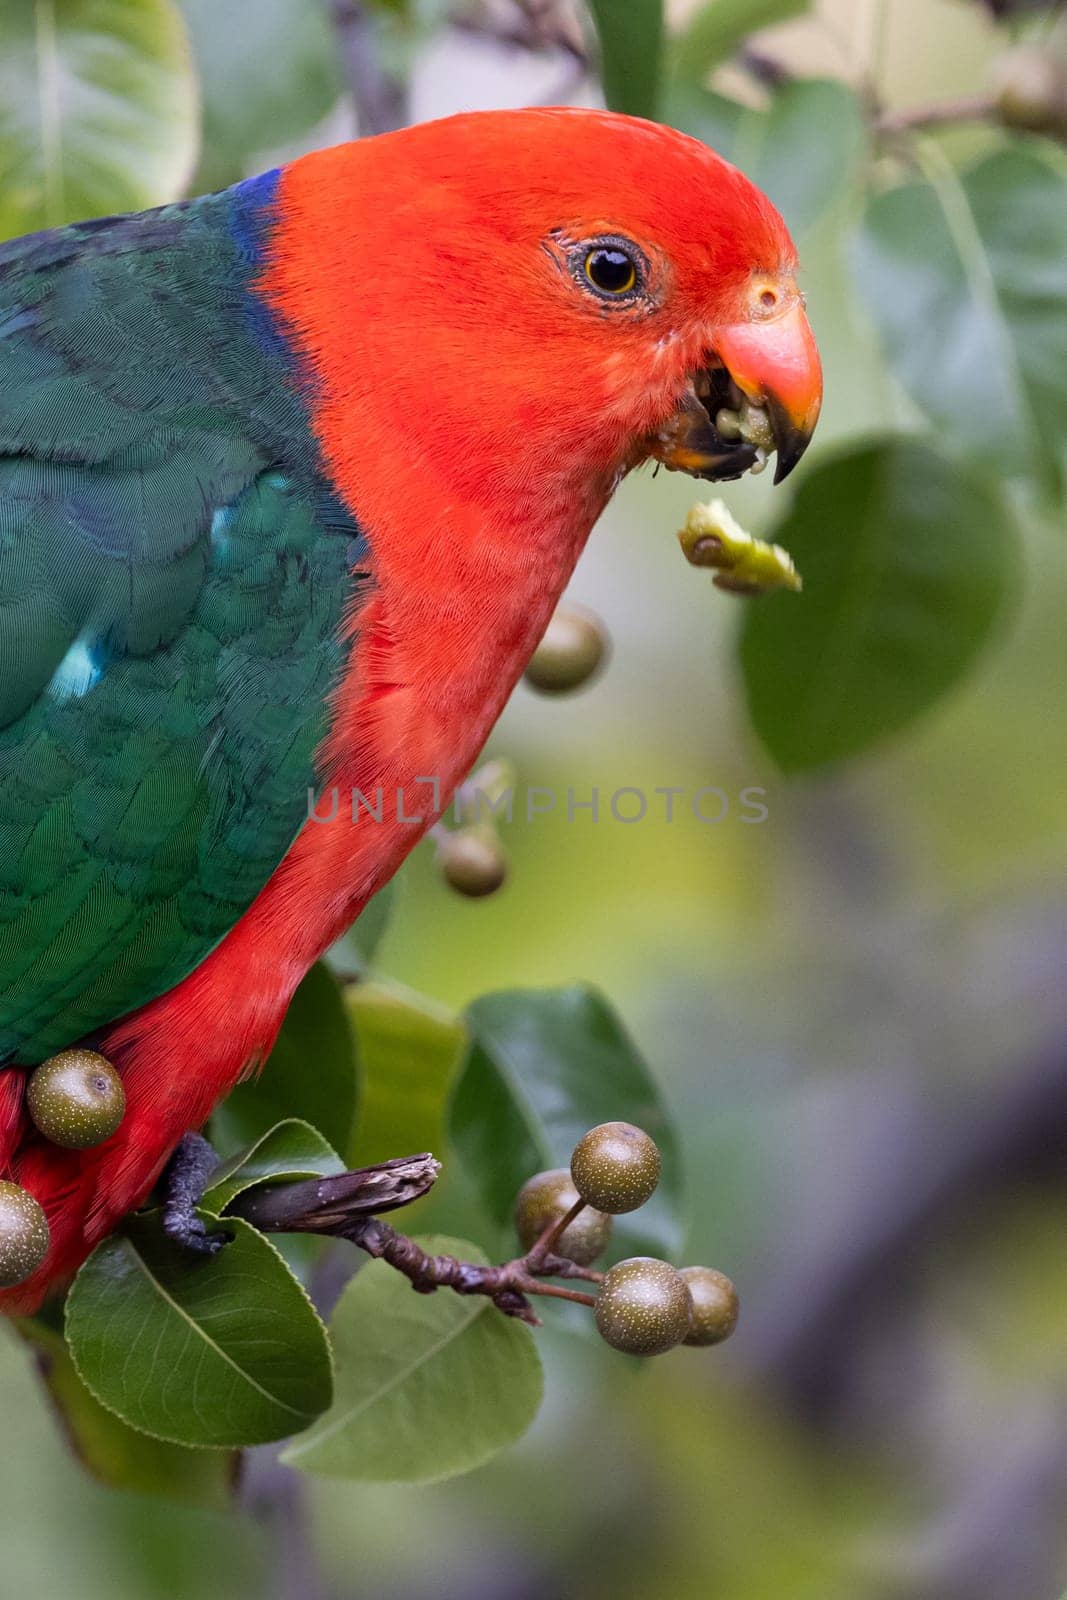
<point x="611" y="270"/>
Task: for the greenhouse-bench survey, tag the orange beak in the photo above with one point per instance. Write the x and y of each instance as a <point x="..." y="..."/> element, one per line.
<point x="774" y="363"/>
<point x="776" y="366"/>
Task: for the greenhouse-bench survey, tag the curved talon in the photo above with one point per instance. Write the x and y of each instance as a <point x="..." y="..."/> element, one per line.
<point x="191" y="1233"/>
<point x="184" y="1181"/>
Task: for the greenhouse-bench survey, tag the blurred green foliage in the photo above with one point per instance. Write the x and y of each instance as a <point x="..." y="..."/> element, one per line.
<point x="630" y="33"/>
<point x="247" y="111"/>
<point x="931" y="566"/>
<point x="98" y="109"/>
<point x="987" y="290"/>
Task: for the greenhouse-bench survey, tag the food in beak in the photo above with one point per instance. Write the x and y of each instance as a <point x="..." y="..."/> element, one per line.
<point x="712" y="537"/>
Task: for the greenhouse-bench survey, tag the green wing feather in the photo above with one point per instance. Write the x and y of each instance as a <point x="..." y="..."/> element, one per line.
<point x="173" y="569"/>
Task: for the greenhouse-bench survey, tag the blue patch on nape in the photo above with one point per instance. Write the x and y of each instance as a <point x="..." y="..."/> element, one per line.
<point x="79" y="671"/>
<point x="252" y="214"/>
<point x="252" y="221"/>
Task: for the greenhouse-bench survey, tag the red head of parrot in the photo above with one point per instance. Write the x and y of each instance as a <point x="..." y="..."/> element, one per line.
<point x="531" y="303"/>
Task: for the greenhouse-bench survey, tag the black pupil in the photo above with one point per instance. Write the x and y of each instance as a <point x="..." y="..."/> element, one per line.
<point x="611" y="270"/>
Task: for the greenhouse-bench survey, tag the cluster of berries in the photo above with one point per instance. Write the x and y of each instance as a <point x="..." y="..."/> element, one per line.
<point x="643" y="1306"/>
<point x="76" y="1100"/>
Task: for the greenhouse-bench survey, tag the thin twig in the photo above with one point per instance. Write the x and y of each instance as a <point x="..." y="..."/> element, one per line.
<point x="764" y="68"/>
<point x="937" y="114"/>
<point x="328" y="1205"/>
<point x="340" y="1207"/>
<point x="546" y="1243"/>
<point x="933" y="114"/>
<point x="508" y="1286"/>
<point x="533" y="27"/>
<point x="380" y="98"/>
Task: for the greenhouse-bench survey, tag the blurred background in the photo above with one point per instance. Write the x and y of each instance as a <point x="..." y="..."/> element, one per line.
<point x="856" y="1008"/>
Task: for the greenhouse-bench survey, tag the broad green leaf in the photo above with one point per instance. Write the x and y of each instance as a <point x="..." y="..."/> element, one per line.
<point x="966" y="280"/>
<point x="806" y="152"/>
<point x="908" y="561"/>
<point x="353" y="954"/>
<point x="246" y="110"/>
<point x="409" y="1054"/>
<point x="712" y="118"/>
<point x="428" y="1386"/>
<point x="290" y="1151"/>
<point x="721" y="26"/>
<point x="631" y="53"/>
<point x="310" y="1074"/>
<point x="543" y="1067"/>
<point x="221" y="1351"/>
<point x="114" y="1452"/>
<point x="98" y="109"/>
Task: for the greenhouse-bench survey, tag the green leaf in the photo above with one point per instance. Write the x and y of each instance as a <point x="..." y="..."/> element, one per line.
<point x="290" y="1151"/>
<point x="544" y="1066"/>
<point x="428" y="1386"/>
<point x="966" y="280"/>
<point x="908" y="561"/>
<point x="311" y="1072"/>
<point x="631" y="53"/>
<point x="806" y="152"/>
<point x="721" y="26"/>
<point x="353" y="954"/>
<point x="409" y="1054"/>
<point x="224" y="1350"/>
<point x="712" y="118"/>
<point x="248" y="111"/>
<point x="98" y="109"/>
<point x="114" y="1452"/>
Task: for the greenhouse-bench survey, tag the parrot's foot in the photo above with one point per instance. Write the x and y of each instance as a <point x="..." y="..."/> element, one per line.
<point x="184" y="1181"/>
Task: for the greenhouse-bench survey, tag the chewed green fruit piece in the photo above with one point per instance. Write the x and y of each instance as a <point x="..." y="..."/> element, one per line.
<point x="713" y="537"/>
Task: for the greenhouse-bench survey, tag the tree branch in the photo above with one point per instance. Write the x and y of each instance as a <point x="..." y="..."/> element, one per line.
<point x="329" y="1205"/>
<point x="937" y="114"/>
<point x="344" y="1206"/>
<point x="772" y="74"/>
<point x="380" y="99"/>
<point x="536" y="25"/>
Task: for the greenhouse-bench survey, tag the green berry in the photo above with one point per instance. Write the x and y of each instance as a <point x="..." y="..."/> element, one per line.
<point x="570" y="653"/>
<point x="545" y="1198"/>
<point x="24" y="1235"/>
<point x="472" y="861"/>
<point x="715" y="1305"/>
<point x="76" y="1099"/>
<point x="643" y="1307"/>
<point x="615" y="1167"/>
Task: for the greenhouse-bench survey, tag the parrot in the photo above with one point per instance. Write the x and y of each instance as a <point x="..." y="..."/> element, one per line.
<point x="292" y="478"/>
